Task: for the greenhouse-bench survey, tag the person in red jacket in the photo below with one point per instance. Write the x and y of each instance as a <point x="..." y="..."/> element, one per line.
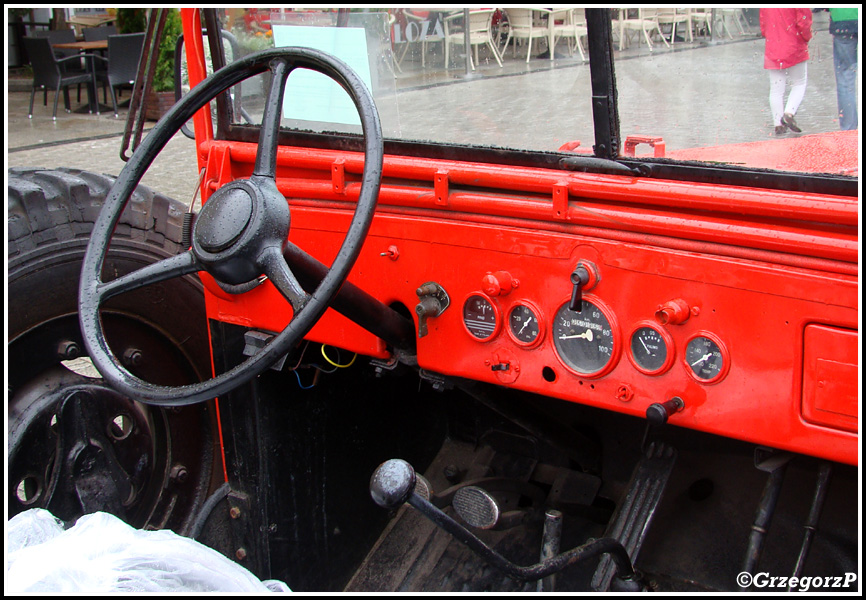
<point x="787" y="32"/>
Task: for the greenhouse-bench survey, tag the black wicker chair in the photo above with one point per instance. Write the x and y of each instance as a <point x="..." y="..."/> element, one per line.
<point x="97" y="34"/>
<point x="124" y="52"/>
<point x="48" y="72"/>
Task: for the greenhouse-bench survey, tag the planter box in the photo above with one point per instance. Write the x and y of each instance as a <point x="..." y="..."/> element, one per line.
<point x="158" y="103"/>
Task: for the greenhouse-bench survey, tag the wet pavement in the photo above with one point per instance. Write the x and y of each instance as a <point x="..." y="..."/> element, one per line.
<point x="725" y="78"/>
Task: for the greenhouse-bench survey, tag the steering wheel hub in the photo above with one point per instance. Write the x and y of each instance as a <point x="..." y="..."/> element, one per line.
<point x="223" y="219"/>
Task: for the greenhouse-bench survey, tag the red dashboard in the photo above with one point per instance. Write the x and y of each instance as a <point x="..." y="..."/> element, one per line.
<point x="723" y="297"/>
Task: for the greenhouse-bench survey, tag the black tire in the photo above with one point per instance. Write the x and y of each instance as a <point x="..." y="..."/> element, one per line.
<point x="167" y="455"/>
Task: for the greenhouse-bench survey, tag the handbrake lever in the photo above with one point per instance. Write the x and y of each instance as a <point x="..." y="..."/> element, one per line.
<point x="393" y="484"/>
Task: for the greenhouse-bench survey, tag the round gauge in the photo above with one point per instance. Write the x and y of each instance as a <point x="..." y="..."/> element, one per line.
<point x="651" y="350"/>
<point x="706" y="359"/>
<point x="524" y="325"/>
<point x="480" y="317"/>
<point x="585" y="341"/>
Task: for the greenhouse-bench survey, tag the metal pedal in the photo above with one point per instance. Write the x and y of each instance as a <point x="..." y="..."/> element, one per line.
<point x="477" y="507"/>
<point x="631" y="521"/>
<point x="423" y="487"/>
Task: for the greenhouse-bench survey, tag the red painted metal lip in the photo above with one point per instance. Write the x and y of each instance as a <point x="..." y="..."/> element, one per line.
<point x="834" y="152"/>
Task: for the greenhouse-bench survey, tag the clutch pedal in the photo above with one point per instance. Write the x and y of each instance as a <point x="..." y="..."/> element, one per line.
<point x="632" y="518"/>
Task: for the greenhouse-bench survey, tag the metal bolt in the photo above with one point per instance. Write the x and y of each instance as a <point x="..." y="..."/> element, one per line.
<point x="240" y="553"/>
<point x="179" y="473"/>
<point x="132" y="357"/>
<point x="234" y="512"/>
<point x="69" y="350"/>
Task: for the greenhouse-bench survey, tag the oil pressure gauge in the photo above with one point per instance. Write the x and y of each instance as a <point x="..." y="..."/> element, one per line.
<point x="706" y="358"/>
<point x="525" y="325"/>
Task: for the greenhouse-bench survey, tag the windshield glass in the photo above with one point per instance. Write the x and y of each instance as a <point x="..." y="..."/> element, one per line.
<point x="691" y="84"/>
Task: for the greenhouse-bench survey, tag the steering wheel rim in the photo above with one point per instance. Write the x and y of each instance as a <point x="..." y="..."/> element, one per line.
<point x="231" y="260"/>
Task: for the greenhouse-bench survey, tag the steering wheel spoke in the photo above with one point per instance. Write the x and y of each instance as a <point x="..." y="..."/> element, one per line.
<point x="169" y="268"/>
<point x="284" y="279"/>
<point x="266" y="156"/>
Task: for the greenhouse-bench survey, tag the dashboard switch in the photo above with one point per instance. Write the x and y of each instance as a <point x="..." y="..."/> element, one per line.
<point x="584" y="277"/>
<point x="432" y="302"/>
<point x="659" y="412"/>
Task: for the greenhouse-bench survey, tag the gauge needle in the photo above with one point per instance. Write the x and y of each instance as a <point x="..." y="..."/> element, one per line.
<point x="587" y="336"/>
<point x="644" y="346"/>
<point x="701" y="359"/>
<point x="525" y="323"/>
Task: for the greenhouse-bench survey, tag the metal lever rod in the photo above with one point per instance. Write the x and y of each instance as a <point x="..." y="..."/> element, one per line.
<point x="393" y="483"/>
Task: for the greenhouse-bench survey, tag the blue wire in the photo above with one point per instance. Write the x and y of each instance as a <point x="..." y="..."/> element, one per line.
<point x="303" y="387"/>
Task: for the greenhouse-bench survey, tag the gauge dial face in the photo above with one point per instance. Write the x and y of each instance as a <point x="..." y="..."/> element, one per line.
<point x="584" y="340"/>
<point x="524" y="325"/>
<point x="705" y="359"/>
<point x="480" y="317"/>
<point x="650" y="350"/>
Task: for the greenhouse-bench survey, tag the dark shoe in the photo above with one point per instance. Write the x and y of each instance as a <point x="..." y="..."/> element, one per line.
<point x="788" y="120"/>
<point x="781" y="130"/>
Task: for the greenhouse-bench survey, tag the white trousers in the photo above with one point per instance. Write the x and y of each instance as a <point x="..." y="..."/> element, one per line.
<point x="778" y="78"/>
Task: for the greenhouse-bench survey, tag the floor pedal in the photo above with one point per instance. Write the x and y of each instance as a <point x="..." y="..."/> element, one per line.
<point x="631" y="520"/>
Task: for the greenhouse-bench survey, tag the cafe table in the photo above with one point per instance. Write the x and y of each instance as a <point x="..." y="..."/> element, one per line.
<point x="88" y="47"/>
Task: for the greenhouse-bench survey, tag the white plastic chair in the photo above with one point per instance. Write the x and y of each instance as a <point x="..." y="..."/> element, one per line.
<point x="530" y="24"/>
<point x="646" y="22"/>
<point x="673" y="17"/>
<point x="479" y="33"/>
<point x="570" y="24"/>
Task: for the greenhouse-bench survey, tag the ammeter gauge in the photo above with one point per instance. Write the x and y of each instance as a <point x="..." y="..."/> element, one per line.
<point x="706" y="359"/>
<point x="585" y="341"/>
<point x="480" y="317"/>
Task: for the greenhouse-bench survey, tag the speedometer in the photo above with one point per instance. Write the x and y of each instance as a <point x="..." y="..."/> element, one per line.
<point x="585" y="341"/>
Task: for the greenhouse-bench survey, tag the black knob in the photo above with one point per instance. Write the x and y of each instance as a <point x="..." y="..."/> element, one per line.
<point x="392" y="483"/>
<point x="579" y="279"/>
<point x="658" y="413"/>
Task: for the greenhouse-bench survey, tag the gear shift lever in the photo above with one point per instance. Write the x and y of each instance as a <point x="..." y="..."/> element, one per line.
<point x="393" y="484"/>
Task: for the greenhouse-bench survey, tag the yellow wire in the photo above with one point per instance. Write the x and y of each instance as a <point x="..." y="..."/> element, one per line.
<point x="351" y="362"/>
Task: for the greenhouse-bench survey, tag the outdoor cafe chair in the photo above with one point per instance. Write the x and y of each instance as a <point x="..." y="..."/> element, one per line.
<point x="701" y="20"/>
<point x="97" y="34"/>
<point x="480" y="33"/>
<point x="674" y="16"/>
<point x="47" y="72"/>
<point x="645" y="22"/>
<point x="121" y="66"/>
<point x="570" y="24"/>
<point x="530" y="24"/>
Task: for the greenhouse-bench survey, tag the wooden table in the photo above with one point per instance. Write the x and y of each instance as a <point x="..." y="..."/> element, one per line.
<point x="82" y="46"/>
<point x="93" y="105"/>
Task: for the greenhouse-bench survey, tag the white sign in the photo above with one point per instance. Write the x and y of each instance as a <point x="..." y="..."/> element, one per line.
<point x="312" y="96"/>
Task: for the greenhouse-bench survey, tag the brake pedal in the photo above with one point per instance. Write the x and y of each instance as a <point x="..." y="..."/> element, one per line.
<point x="632" y="518"/>
<point x="477" y="507"/>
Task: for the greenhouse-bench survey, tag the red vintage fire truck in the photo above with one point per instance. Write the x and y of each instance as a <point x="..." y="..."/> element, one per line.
<point x="377" y="358"/>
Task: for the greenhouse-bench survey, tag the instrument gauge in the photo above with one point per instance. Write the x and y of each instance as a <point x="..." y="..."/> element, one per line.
<point x="525" y="325"/>
<point x="706" y="358"/>
<point x="651" y="349"/>
<point x="480" y="317"/>
<point x="585" y="341"/>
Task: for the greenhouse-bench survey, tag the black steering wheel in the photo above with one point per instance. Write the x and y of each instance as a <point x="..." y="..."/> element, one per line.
<point x="241" y="231"/>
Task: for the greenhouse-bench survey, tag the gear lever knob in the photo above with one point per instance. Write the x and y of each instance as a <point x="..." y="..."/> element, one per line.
<point x="392" y="483"/>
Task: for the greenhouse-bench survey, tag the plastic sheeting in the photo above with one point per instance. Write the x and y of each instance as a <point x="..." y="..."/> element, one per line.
<point x="101" y="553"/>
